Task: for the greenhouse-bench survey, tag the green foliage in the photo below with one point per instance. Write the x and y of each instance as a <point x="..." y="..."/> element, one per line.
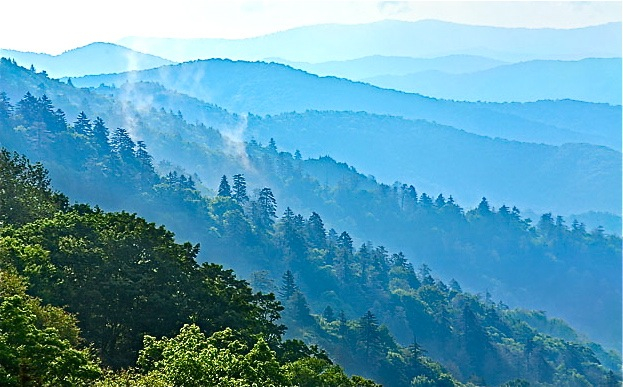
<point x="25" y="192"/>
<point x="110" y="268"/>
<point x="193" y="359"/>
<point x="127" y="279"/>
<point x="38" y="344"/>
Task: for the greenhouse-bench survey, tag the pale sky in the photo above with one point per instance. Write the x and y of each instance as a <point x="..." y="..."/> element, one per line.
<point x="54" y="26"/>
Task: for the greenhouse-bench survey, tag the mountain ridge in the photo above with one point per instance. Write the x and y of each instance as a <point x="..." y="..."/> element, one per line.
<point x="591" y="80"/>
<point x="428" y="38"/>
<point x="93" y="58"/>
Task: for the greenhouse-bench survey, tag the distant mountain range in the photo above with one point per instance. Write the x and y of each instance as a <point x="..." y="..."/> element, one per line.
<point x="429" y="38"/>
<point x="95" y="58"/>
<point x="593" y="80"/>
<point x="263" y="88"/>
<point x="379" y="65"/>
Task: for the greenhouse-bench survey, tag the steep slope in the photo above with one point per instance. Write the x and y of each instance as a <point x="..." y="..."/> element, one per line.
<point x="78" y="248"/>
<point x="455" y="247"/>
<point x="94" y="58"/>
<point x="592" y="80"/>
<point x="427" y="38"/>
<point x="263" y="88"/>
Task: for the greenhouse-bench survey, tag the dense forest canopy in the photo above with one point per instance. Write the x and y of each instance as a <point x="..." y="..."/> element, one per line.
<point x="373" y="311"/>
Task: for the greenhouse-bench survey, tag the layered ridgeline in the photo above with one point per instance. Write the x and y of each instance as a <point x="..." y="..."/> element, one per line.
<point x="379" y="65"/>
<point x="448" y="158"/>
<point x="354" y="202"/>
<point x="426" y="38"/>
<point x="592" y="79"/>
<point x="474" y="78"/>
<point x="271" y="88"/>
<point x="328" y="272"/>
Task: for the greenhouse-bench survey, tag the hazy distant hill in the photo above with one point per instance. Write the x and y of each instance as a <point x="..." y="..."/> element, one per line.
<point x="95" y="58"/>
<point x="263" y="88"/>
<point x="444" y="159"/>
<point x="378" y="65"/>
<point x="593" y="80"/>
<point x="429" y="38"/>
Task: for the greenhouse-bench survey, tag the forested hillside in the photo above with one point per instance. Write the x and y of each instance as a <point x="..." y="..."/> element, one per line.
<point x="373" y="310"/>
<point x="86" y="294"/>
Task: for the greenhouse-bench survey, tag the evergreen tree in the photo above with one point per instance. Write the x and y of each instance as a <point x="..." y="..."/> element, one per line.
<point x="239" y="189"/>
<point x="412" y="194"/>
<point x="328" y="314"/>
<point x="265" y="209"/>
<point x="369" y="334"/>
<point x="288" y="286"/>
<point x="291" y="227"/>
<point x="440" y="201"/>
<point x="483" y="209"/>
<point x="345" y="242"/>
<point x="454" y="286"/>
<point x="424" y="275"/>
<point x="425" y="200"/>
<point x="28" y="110"/>
<point x="122" y="144"/>
<point x="60" y="121"/>
<point x="49" y="117"/>
<point x="272" y="146"/>
<point x="100" y="137"/>
<point x="83" y="125"/>
<point x="223" y="188"/>
<point x="144" y="158"/>
<point x="316" y="233"/>
<point x="6" y="109"/>
<point x="343" y="324"/>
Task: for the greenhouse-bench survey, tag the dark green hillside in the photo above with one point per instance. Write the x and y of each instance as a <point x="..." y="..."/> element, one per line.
<point x="576" y="115"/>
<point x="378" y="291"/>
<point x="79" y="286"/>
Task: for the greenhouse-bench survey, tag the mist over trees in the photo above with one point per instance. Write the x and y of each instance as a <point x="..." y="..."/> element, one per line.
<point x="372" y="310"/>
